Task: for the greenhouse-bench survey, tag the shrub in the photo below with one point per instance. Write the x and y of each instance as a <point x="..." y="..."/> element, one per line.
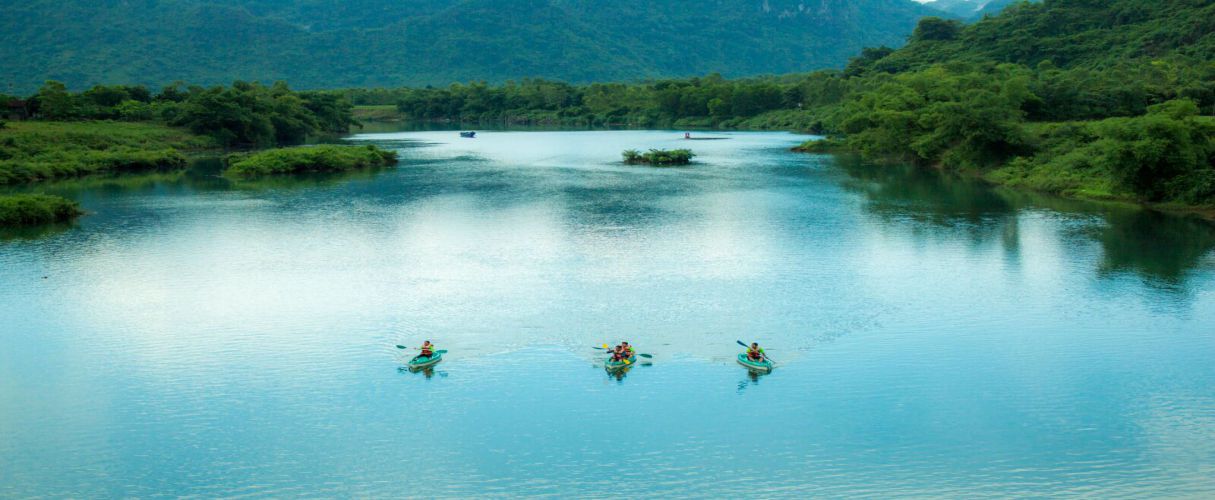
<point x="326" y="158"/>
<point x="659" y="157"/>
<point x="35" y="209"/>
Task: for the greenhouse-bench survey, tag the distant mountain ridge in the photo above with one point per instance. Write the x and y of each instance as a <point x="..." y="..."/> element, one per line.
<point x="331" y="43"/>
<point x="971" y="9"/>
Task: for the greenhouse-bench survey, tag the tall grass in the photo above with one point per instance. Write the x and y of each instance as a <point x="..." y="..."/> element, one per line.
<point x="42" y="151"/>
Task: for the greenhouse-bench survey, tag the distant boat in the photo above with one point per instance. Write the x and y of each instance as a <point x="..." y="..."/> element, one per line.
<point x="468" y="135"/>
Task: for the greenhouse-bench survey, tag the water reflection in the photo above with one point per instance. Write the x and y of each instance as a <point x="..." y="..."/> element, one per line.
<point x="1160" y="248"/>
<point x="1157" y="246"/>
<point x="934" y="201"/>
<point x="427" y="372"/>
<point x="34" y="232"/>
<point x="753" y="378"/>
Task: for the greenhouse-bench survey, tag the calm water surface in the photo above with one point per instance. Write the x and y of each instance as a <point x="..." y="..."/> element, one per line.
<point x="934" y="336"/>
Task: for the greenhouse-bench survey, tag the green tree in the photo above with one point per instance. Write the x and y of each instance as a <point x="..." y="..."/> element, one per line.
<point x="55" y="103"/>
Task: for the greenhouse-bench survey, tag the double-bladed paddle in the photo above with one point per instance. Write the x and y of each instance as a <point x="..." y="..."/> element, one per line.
<point x="440" y="351"/>
<point x="606" y="348"/>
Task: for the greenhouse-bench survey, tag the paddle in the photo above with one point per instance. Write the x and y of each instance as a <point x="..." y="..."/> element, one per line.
<point x="766" y="356"/>
<point x="644" y="355"/>
<point x="440" y="351"/>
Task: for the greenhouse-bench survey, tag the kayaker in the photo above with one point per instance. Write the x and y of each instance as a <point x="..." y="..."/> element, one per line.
<point x="628" y="349"/>
<point x="755" y="353"/>
<point x="428" y="349"/>
<point x="618" y="353"/>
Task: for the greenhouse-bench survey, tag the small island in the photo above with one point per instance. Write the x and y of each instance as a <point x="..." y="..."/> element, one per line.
<point x="658" y="157"/>
<point x="307" y="159"/>
<point x="19" y="210"/>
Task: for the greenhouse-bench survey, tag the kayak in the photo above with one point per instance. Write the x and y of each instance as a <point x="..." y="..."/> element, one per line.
<point x="616" y="365"/>
<point x="418" y="362"/>
<point x="764" y="366"/>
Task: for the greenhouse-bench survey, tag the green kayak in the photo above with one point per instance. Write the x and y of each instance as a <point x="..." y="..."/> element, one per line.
<point x="418" y="362"/>
<point x="617" y="365"/>
<point x="764" y="366"/>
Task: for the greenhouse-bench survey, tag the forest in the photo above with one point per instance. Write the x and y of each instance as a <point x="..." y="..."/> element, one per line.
<point x="244" y="114"/>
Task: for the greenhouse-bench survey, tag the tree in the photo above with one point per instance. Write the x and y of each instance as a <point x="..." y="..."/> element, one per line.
<point x="55" y="103"/>
<point x="935" y="28"/>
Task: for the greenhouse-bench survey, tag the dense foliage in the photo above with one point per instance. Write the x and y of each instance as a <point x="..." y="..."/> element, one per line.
<point x="244" y="114"/>
<point x="34" y="209"/>
<point x="39" y="151"/>
<point x="352" y="43"/>
<point x="658" y="157"/>
<point x="1103" y="99"/>
<point x="1167" y="155"/>
<point x="324" y="158"/>
<point x="708" y="100"/>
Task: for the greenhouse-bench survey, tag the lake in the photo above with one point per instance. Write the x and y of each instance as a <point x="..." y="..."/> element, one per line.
<point x="933" y="335"/>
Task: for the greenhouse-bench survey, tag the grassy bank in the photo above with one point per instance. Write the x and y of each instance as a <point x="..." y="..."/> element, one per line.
<point x="21" y="210"/>
<point x="37" y="151"/>
<point x="326" y="158"/>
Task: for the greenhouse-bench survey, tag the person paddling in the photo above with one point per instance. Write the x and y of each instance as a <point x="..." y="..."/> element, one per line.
<point x="627" y="349"/>
<point x="755" y="352"/>
<point x="427" y="349"/>
<point x="618" y="353"/>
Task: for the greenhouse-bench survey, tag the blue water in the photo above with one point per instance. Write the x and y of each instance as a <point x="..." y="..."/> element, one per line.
<point x="934" y="336"/>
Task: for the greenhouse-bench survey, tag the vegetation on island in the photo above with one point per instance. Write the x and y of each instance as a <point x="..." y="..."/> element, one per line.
<point x="127" y="129"/>
<point x="120" y="129"/>
<point x="19" y="210"/>
<point x="307" y="159"/>
<point x="33" y="151"/>
<point x="658" y="157"/>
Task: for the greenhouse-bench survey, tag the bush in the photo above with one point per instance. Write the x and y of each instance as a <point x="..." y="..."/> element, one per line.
<point x="35" y="209"/>
<point x="327" y="158"/>
<point x="659" y="157"/>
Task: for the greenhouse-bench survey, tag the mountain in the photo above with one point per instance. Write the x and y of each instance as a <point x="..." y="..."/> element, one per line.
<point x="333" y="43"/>
<point x="964" y="9"/>
<point x="970" y="9"/>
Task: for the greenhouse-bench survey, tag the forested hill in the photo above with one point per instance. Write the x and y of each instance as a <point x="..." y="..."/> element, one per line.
<point x="352" y="43"/>
<point x="1095" y="34"/>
